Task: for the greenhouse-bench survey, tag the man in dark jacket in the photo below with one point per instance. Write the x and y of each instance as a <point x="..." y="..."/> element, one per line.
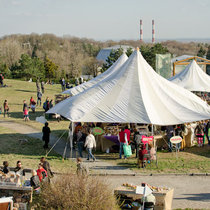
<point x="46" y="166"/>
<point x="46" y="135"/>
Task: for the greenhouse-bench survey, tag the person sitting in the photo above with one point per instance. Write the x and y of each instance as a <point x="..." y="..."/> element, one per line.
<point x="142" y="158"/>
<point x="5" y="168"/>
<point x="41" y="173"/>
<point x="34" y="181"/>
<point x="18" y="169"/>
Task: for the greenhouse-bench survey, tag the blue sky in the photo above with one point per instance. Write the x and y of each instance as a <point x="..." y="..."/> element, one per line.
<point x="106" y="19"/>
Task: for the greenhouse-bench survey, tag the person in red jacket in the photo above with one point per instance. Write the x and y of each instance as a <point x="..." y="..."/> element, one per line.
<point x="41" y="172"/>
<point x="123" y="140"/>
<point x="128" y="132"/>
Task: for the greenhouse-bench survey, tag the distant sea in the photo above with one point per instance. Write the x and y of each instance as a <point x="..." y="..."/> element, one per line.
<point x="184" y="40"/>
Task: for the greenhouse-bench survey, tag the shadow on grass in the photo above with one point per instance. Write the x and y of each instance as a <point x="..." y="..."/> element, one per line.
<point x="201" y="197"/>
<point x="202" y="151"/>
<point x="19" y="144"/>
<point x="27" y="91"/>
<point x="32" y="116"/>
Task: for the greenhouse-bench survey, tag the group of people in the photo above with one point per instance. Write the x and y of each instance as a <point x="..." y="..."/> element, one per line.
<point x="144" y="151"/>
<point x="66" y="85"/>
<point x="199" y="132"/>
<point x="42" y="174"/>
<point x="83" y="137"/>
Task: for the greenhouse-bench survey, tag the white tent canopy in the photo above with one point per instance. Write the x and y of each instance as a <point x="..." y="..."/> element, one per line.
<point x="134" y="93"/>
<point x="192" y="78"/>
<point x="80" y="88"/>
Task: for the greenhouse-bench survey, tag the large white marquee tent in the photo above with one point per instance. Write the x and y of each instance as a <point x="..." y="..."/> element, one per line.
<point x="80" y="88"/>
<point x="134" y="93"/>
<point x="192" y="78"/>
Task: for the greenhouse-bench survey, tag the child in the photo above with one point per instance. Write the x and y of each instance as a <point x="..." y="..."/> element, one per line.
<point x="81" y="168"/>
<point x="26" y="114"/>
<point x="142" y="159"/>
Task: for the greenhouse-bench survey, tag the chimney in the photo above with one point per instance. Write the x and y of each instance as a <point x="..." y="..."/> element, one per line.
<point x="153" y="31"/>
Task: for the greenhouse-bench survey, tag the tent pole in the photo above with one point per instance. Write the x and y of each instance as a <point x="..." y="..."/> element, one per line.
<point x="71" y="132"/>
<point x="152" y="130"/>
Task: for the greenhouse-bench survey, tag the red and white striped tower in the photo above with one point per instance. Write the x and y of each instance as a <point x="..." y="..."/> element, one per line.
<point x="141" y="30"/>
<point x="153" y="31"/>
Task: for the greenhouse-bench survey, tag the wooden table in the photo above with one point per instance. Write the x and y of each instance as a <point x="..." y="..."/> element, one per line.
<point x="163" y="199"/>
<point x="9" y="190"/>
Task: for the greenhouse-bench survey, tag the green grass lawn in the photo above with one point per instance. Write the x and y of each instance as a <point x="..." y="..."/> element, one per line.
<point x="29" y="153"/>
<point x="20" y="90"/>
<point x="192" y="160"/>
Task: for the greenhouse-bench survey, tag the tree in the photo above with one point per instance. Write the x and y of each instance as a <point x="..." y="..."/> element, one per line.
<point x="208" y="53"/>
<point x="92" y="66"/>
<point x="30" y="67"/>
<point x="50" y="68"/>
<point x="150" y="53"/>
<point x="113" y="56"/>
<point x="129" y="51"/>
<point x="5" y="70"/>
<point x="208" y="57"/>
<point x="201" y="52"/>
<point x="34" y="52"/>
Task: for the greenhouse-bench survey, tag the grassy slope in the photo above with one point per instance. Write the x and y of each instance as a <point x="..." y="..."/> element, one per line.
<point x="29" y="153"/>
<point x="20" y="90"/>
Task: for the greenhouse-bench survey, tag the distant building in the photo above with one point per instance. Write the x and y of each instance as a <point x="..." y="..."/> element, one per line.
<point x="104" y="53"/>
<point x="179" y="58"/>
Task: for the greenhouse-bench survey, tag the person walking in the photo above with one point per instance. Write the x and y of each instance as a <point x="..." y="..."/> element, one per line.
<point x="42" y="86"/>
<point x="90" y="143"/>
<point x="6" y="108"/>
<point x="46" y="135"/>
<point x="39" y="98"/>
